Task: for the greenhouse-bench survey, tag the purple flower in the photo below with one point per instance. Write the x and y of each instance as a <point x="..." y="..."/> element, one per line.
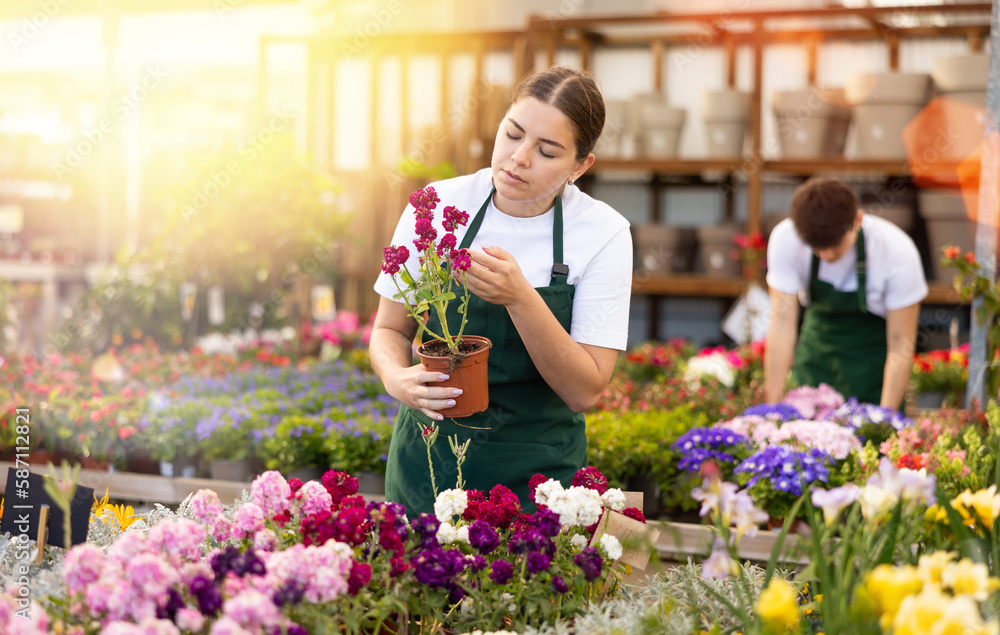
<point x="702" y="444"/>
<point x="780" y="412"/>
<point x="501" y="572"/>
<point x="591" y="562"/>
<point x="538" y="562"/>
<point x="546" y="522"/>
<point x="483" y="537"/>
<point x="559" y="585"/>
<point x="476" y="563"/>
<point x="426" y="526"/>
<point x="208" y="596"/>
<point x="438" y="567"/>
<point x="786" y="470"/>
<point x="289" y="593"/>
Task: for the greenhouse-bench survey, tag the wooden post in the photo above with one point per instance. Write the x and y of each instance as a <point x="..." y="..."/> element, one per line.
<point x="812" y="50"/>
<point x="893" y="41"/>
<point x="657" y="52"/>
<point x="43" y="526"/>
<point x="755" y="179"/>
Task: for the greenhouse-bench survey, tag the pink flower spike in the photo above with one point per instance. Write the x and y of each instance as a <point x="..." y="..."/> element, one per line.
<point x="461" y="260"/>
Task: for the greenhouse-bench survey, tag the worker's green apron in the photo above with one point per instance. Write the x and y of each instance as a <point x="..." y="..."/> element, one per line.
<point x="841" y="343"/>
<point x="527" y="428"/>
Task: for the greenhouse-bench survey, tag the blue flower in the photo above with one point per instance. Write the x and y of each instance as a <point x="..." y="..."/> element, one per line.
<point x="779" y="412"/>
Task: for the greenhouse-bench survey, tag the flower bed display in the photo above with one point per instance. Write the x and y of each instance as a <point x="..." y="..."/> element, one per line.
<point x="314" y="557"/>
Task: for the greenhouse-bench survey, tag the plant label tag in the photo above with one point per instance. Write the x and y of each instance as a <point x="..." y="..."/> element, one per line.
<point x="24" y="498"/>
<point x="637" y="538"/>
<point x="634" y="499"/>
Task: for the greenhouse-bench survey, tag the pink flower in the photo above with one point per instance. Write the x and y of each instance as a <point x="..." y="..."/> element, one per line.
<point x="460" y="259"/>
<point x="179" y="540"/>
<point x="127" y="547"/>
<point x="315" y="498"/>
<point x="446" y="244"/>
<point x="225" y="625"/>
<point x="271" y="492"/>
<point x="221" y="528"/>
<point x="82" y="566"/>
<point x="394" y="258"/>
<point x="190" y="620"/>
<point x="426" y="198"/>
<point x="323" y="569"/>
<point x="205" y="505"/>
<point x="265" y="540"/>
<point x="253" y="611"/>
<point x="248" y="520"/>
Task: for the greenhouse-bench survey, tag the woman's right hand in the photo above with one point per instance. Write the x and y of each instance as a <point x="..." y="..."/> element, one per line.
<point x="421" y="390"/>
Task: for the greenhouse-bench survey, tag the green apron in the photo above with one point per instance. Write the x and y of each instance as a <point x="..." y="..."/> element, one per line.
<point x="841" y="343"/>
<point x="527" y="428"/>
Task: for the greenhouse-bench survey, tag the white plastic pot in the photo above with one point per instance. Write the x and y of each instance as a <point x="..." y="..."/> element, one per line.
<point x="725" y="106"/>
<point x="879" y="129"/>
<point x="961" y="72"/>
<point x="811" y="123"/>
<point x="887" y="88"/>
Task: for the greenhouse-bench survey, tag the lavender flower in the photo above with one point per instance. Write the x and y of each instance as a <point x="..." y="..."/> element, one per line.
<point x="867" y="419"/>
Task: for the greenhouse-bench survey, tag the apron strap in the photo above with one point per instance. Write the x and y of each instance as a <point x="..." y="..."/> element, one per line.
<point x="560" y="272"/>
<point x="474" y="226"/>
<point x="860" y="266"/>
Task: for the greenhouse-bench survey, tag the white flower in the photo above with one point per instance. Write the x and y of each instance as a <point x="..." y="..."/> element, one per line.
<point x="578" y="542"/>
<point x="746" y="515"/>
<point x="712" y="365"/>
<point x="718" y="565"/>
<point x="875" y="502"/>
<point x="611" y="547"/>
<point x="834" y="500"/>
<point x="507" y="597"/>
<point x="576" y="506"/>
<point x="448" y="533"/>
<point x="343" y="550"/>
<point x="545" y="491"/>
<point x="614" y="499"/>
<point x="449" y="503"/>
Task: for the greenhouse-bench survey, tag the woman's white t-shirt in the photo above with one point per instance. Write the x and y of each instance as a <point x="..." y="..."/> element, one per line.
<point x="597" y="247"/>
<point x="895" y="275"/>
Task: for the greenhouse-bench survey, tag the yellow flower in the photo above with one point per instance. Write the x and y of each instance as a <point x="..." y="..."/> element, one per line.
<point x="889" y="586"/>
<point x="777" y="605"/>
<point x="935" y="515"/>
<point x="931" y="566"/>
<point x="986" y="502"/>
<point x="124" y="514"/>
<point x="969" y="578"/>
<point x="931" y="611"/>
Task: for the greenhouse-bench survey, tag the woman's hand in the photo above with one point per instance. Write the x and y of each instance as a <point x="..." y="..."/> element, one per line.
<point x="391" y="355"/>
<point x="420" y="389"/>
<point x="496" y="277"/>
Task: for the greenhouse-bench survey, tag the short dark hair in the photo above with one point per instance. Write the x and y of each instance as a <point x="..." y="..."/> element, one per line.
<point x="573" y="92"/>
<point x="823" y="211"/>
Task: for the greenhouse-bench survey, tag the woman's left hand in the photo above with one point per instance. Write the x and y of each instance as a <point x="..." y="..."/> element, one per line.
<point x="496" y="277"/>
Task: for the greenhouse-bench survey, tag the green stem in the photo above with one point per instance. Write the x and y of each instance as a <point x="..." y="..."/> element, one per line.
<point x="412" y="311"/>
<point x="430" y="464"/>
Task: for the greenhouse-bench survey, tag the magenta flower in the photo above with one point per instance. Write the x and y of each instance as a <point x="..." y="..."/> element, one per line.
<point x="205" y="505"/>
<point x="394" y="258"/>
<point x="271" y="492"/>
<point x="460" y="259"/>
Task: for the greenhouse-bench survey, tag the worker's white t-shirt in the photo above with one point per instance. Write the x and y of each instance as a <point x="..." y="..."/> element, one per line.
<point x="895" y="275"/>
<point x="597" y="247"/>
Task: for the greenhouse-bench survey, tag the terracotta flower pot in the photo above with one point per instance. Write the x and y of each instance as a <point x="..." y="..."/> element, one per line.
<point x="467" y="373"/>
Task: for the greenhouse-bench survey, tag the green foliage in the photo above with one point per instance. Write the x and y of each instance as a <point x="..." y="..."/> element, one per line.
<point x="297" y="441"/>
<point x="633" y="444"/>
<point x="360" y="444"/>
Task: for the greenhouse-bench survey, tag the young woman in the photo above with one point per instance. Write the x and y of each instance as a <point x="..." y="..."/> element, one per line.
<point x="550" y="283"/>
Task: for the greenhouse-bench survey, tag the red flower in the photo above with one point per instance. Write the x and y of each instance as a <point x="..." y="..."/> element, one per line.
<point x="970" y="257"/>
<point x="951" y="251"/>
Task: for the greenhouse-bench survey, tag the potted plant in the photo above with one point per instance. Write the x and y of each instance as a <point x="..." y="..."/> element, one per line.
<point x="442" y="267"/>
<point x="228" y="439"/>
<point x="940" y="376"/>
